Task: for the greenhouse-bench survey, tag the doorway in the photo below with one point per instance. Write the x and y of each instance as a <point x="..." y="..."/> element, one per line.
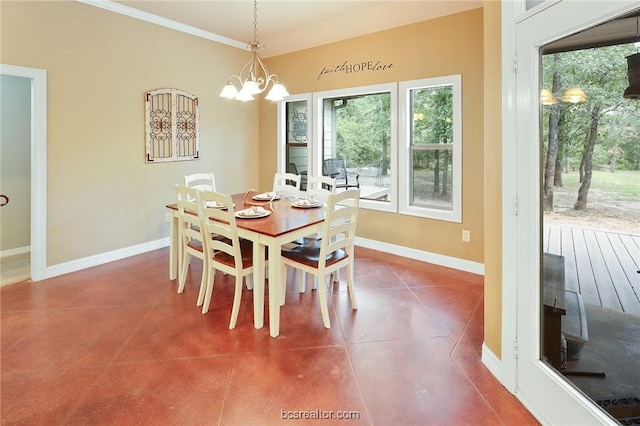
<point x="15" y="175"/>
<point x="38" y="131"/>
<point x="547" y="394"/>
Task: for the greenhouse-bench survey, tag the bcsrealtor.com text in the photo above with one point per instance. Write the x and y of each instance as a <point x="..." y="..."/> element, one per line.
<point x="347" y="68"/>
<point x="318" y="415"/>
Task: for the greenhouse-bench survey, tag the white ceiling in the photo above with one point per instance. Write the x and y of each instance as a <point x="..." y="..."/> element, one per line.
<point x="285" y="26"/>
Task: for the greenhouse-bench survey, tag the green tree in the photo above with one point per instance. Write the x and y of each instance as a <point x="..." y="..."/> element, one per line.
<point x="589" y="134"/>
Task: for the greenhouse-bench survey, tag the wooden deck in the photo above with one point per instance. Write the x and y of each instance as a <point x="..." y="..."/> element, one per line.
<point x="602" y="266"/>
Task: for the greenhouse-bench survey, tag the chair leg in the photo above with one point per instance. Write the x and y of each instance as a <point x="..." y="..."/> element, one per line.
<point x="207" y="296"/>
<point x="352" y="293"/>
<point x="249" y="282"/>
<point x="302" y="285"/>
<point x="184" y="268"/>
<point x="322" y="292"/>
<point x="204" y="283"/>
<point x="236" y="302"/>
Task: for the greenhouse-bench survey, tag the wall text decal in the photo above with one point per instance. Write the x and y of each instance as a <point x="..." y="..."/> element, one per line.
<point x="348" y="68"/>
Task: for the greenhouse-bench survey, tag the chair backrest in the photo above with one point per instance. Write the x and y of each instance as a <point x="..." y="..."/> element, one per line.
<point x="188" y="219"/>
<point x="339" y="228"/>
<point x="335" y="167"/>
<point x="320" y="187"/>
<point x="201" y="181"/>
<point x="287" y="184"/>
<point x="221" y="223"/>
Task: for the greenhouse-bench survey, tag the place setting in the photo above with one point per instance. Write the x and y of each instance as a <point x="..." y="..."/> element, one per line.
<point x="255" y="212"/>
<point x="306" y="204"/>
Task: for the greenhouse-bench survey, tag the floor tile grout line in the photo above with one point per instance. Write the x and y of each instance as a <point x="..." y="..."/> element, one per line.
<point x="462" y="371"/>
<point x="466" y="326"/>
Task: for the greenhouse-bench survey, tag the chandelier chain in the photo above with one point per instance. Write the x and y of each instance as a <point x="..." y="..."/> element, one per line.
<point x="255" y="20"/>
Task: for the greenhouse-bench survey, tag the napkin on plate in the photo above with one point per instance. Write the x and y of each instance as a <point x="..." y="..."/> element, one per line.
<point x="267" y="195"/>
<point x="254" y="211"/>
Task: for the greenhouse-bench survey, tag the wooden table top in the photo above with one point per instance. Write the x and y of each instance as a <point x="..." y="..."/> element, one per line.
<point x="282" y="220"/>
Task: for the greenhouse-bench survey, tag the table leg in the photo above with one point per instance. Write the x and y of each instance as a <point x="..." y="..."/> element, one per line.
<point x="274" y="291"/>
<point x="258" y="284"/>
<point x="173" y="247"/>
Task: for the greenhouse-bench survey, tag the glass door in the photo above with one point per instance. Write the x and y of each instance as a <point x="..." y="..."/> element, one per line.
<point x="537" y="309"/>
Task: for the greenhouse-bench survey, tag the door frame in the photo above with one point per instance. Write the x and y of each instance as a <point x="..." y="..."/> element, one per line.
<point x="541" y="389"/>
<point x="38" y="243"/>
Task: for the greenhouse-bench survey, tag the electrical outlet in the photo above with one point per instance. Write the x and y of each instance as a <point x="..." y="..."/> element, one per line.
<point x="167" y="217"/>
<point x="466" y="236"/>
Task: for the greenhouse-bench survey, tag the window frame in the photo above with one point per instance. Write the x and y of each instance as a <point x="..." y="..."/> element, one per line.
<point x="282" y="131"/>
<point x="406" y="151"/>
<point x="392" y="88"/>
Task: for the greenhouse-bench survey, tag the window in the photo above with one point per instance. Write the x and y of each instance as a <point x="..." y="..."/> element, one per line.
<point x="431" y="157"/>
<point x="357" y="142"/>
<point x="354" y="136"/>
<point x="294" y="134"/>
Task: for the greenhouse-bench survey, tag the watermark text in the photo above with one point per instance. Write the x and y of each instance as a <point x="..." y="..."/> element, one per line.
<point x="318" y="415"/>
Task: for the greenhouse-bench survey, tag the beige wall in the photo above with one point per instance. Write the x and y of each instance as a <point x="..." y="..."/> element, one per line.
<point x="493" y="177"/>
<point x="15" y="157"/>
<point x="428" y="49"/>
<point x="101" y="196"/>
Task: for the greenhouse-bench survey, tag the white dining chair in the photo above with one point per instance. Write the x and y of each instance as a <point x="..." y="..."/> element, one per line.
<point x="201" y="181"/>
<point x="286" y="184"/>
<point x="318" y="188"/>
<point x="228" y="255"/>
<point x="333" y="252"/>
<point x="191" y="239"/>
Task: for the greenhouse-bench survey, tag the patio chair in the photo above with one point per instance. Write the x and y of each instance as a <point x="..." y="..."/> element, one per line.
<point x="337" y="169"/>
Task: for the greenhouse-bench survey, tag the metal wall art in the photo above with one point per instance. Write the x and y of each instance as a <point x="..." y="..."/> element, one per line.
<point x="172" y="121"/>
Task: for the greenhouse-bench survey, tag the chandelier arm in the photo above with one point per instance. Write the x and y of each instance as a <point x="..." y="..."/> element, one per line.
<point x="254" y="77"/>
<point x="237" y="77"/>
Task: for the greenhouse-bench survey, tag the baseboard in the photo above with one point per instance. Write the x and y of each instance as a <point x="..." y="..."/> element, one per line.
<point x="492" y="362"/>
<point x="424" y="256"/>
<point x="15" y="251"/>
<point x="100" y="259"/>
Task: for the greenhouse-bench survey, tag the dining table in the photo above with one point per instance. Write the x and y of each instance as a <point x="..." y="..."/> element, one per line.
<point x="288" y="220"/>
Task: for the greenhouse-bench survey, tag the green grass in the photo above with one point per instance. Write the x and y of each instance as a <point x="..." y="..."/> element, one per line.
<point x="618" y="186"/>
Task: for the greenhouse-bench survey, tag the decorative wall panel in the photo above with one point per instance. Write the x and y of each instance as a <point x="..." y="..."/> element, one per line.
<point x="172" y="119"/>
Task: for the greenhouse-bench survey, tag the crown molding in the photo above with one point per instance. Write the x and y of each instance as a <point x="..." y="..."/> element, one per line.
<point x="168" y="23"/>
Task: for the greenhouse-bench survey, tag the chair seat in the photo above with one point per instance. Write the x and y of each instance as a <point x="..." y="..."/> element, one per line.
<point x="227" y="259"/>
<point x="309" y="255"/>
<point x="196" y="245"/>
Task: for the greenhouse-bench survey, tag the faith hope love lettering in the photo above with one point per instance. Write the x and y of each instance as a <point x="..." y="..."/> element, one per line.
<point x="348" y="68"/>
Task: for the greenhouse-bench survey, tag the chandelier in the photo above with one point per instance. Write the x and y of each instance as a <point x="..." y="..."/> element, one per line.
<point x="254" y="77"/>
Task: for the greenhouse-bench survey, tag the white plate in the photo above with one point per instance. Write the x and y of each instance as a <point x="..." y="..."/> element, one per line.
<point x="242" y="214"/>
<point x="217" y="206"/>
<point x="265" y="197"/>
<point x="312" y="204"/>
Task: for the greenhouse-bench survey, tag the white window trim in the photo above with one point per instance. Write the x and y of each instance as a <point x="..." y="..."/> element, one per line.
<point x="282" y="132"/>
<point x="392" y="89"/>
<point x="404" y="169"/>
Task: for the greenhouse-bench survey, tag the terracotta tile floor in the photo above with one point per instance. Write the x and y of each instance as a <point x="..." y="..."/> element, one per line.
<point x="116" y="344"/>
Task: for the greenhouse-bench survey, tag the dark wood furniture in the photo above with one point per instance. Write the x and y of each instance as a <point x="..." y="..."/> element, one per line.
<point x="554" y="308"/>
